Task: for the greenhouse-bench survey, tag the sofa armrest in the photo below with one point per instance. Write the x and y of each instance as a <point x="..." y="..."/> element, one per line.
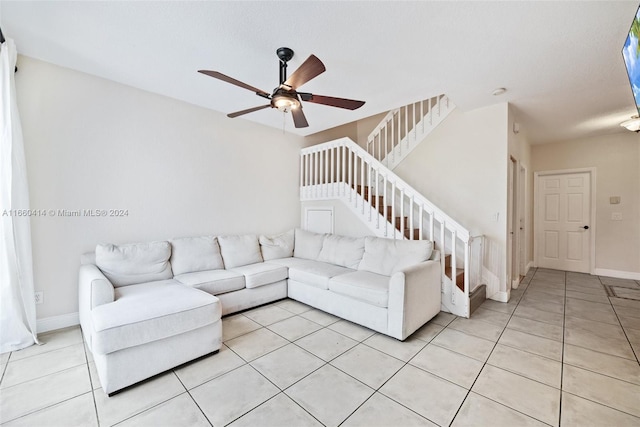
<point x="95" y="288"/>
<point x="414" y="298"/>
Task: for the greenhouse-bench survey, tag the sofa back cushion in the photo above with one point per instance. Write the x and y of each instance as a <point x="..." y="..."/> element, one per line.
<point x="387" y="256"/>
<point x="341" y="250"/>
<point x="134" y="263"/>
<point x="307" y="244"/>
<point x="191" y="254"/>
<point x="274" y="247"/>
<point x="240" y="250"/>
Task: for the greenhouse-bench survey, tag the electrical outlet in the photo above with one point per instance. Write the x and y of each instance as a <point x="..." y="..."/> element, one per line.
<point x="39" y="297"/>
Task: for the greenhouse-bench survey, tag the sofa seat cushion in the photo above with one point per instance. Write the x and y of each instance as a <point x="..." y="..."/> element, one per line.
<point x="149" y="312"/>
<point x="289" y="261"/>
<point x="262" y="273"/>
<point x="213" y="281"/>
<point x="364" y="286"/>
<point x="316" y="273"/>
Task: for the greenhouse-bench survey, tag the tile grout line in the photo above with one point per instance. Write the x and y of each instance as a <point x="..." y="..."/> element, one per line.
<point x="598" y="373"/>
<point x="93" y="394"/>
<point x="564" y="329"/>
<point x="624" y="331"/>
<point x="377" y="390"/>
<point x="469" y="391"/>
<point x="191" y="397"/>
<point x="283" y="391"/>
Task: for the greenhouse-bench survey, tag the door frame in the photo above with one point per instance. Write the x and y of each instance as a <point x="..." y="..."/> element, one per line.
<point x="523" y="207"/>
<point x="517" y="222"/>
<point x="536" y="217"/>
<point x="513" y="214"/>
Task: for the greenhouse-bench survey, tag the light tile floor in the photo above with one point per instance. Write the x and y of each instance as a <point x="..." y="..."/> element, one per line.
<point x="561" y="352"/>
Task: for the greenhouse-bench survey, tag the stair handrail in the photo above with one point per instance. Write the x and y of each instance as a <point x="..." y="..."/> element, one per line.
<point x="443" y="218"/>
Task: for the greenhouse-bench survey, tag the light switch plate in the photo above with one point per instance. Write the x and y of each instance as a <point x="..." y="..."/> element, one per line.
<point x="616" y="216"/>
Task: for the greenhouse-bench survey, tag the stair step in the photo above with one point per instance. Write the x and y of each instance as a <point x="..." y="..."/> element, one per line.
<point x="459" y="272"/>
<point x="399" y="223"/>
<point x="416" y="234"/>
<point x="378" y="202"/>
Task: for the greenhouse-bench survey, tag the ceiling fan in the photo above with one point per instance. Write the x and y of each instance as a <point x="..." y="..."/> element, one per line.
<point x="285" y="97"/>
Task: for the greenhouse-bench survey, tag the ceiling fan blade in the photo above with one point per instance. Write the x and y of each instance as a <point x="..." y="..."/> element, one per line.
<point x="247" y="111"/>
<point x="299" y="119"/>
<point x="309" y="69"/>
<point x="224" y="78"/>
<point x="349" y="104"/>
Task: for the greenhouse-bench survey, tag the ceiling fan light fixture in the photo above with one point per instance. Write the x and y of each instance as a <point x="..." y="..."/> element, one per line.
<point x="633" y="124"/>
<point x="285" y="102"/>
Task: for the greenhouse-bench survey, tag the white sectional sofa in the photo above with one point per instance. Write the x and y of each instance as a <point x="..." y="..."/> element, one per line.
<point x="148" y="307"/>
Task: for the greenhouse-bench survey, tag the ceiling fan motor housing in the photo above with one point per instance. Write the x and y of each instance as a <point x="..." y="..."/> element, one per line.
<point x="285" y="54"/>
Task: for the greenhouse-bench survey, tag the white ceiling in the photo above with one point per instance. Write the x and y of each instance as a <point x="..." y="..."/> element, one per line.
<point x="560" y="60"/>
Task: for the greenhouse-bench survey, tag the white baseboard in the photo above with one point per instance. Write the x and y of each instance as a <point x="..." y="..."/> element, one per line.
<point x="57" y="322"/>
<point x="617" y="274"/>
<point x="528" y="267"/>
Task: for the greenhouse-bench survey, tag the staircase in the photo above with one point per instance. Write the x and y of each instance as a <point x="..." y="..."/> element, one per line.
<point x="404" y="128"/>
<point x="391" y="208"/>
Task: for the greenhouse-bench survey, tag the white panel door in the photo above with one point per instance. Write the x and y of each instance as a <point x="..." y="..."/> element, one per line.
<point x="563" y="217"/>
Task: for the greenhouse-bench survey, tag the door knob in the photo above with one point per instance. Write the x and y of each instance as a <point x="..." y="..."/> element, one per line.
<point x="586" y="227"/>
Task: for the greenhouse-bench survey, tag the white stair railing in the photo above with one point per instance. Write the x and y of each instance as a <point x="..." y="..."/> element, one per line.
<point x="390" y="207"/>
<point x="402" y="129"/>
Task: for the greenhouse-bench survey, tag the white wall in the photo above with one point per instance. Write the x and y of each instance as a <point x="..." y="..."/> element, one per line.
<point x="178" y="169"/>
<point x="616" y="158"/>
<point x="462" y="168"/>
<point x="346" y="223"/>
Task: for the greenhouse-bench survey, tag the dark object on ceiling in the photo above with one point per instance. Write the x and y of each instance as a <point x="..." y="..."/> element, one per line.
<point x="285" y="97"/>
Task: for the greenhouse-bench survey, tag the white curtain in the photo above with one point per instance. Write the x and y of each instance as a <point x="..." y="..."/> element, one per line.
<point x="17" y="303"/>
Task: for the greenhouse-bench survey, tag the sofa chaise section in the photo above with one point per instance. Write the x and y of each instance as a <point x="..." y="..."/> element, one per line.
<point x="137" y="320"/>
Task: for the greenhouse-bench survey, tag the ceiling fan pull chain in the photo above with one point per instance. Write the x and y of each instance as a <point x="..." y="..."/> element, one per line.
<point x="284" y="121"/>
